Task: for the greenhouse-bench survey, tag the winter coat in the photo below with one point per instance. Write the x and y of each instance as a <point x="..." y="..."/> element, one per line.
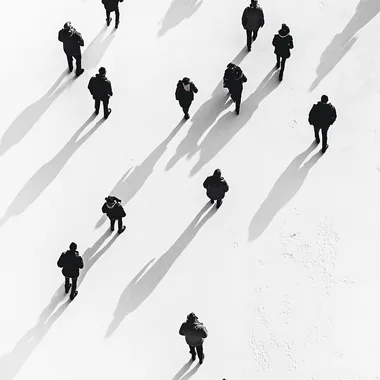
<point x="228" y="73"/>
<point x="216" y="187"/>
<point x="185" y="97"/>
<point x="282" y="43"/>
<point x="195" y="333"/>
<point x="72" y="41"/>
<point x="116" y="212"/>
<point x="322" y="114"/>
<point x="70" y="262"/>
<point x="236" y="82"/>
<point x="253" y="18"/>
<point x="100" y="87"/>
<point x="111" y="5"/>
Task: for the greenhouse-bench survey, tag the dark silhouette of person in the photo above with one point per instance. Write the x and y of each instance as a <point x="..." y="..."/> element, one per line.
<point x="115" y="211"/>
<point x="228" y="76"/>
<point x="195" y="333"/>
<point x="112" y="6"/>
<point x="184" y="93"/>
<point x="283" y="43"/>
<point x="71" y="263"/>
<point x="72" y="42"/>
<point x="322" y="115"/>
<point x="216" y="187"/>
<point x="252" y="20"/>
<point x="236" y="86"/>
<point x="101" y="90"/>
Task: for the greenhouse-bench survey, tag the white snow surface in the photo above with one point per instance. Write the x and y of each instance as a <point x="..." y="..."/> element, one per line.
<point x="284" y="275"/>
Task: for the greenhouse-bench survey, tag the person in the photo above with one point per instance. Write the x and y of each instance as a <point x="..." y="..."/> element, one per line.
<point x="71" y="262"/>
<point x="72" y="42"/>
<point x="185" y="94"/>
<point x="112" y="6"/>
<point x="228" y="75"/>
<point x="322" y="115"/>
<point x="195" y="333"/>
<point x="236" y="86"/>
<point x="252" y="20"/>
<point x="282" y="42"/>
<point x="216" y="187"/>
<point x="101" y="90"/>
<point x="115" y="211"/>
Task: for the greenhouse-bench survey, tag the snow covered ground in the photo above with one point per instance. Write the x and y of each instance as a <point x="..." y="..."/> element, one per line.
<point x="284" y="275"/>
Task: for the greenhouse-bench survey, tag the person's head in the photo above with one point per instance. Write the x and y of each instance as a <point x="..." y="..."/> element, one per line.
<point x="191" y="317"/>
<point x="110" y="200"/>
<point x="217" y="173"/>
<point x="73" y="247"/>
<point x="102" y="71"/>
<point x="67" y="25"/>
<point x="253" y="3"/>
<point x="285" y="28"/>
<point x="324" y="99"/>
<point x="231" y="65"/>
<point x="186" y="80"/>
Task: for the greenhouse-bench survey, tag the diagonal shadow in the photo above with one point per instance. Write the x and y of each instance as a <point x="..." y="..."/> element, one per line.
<point x="285" y="188"/>
<point x="134" y="178"/>
<point x="24" y="122"/>
<point x="179" y="10"/>
<point x="183" y="370"/>
<point x="48" y="172"/>
<point x="11" y="363"/>
<point x="144" y="283"/>
<point x="204" y="118"/>
<point x="230" y="124"/>
<point x="192" y="372"/>
<point x="366" y="10"/>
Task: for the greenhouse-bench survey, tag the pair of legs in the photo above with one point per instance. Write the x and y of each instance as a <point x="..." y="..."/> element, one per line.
<point x="72" y="285"/>
<point x="117" y="14"/>
<point x="251" y="36"/>
<point x="281" y="65"/>
<point x="324" y="129"/>
<point x="105" y="102"/>
<point x="236" y="97"/>
<point x="119" y="225"/>
<point x="197" y="350"/>
<point x="218" y="202"/>
<point x="78" y="61"/>
<point x="185" y="108"/>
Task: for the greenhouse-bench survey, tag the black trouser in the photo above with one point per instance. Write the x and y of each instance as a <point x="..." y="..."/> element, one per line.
<point x="73" y="284"/>
<point x="281" y="62"/>
<point x="236" y="97"/>
<point x="78" y="60"/>
<point x="198" y="349"/>
<point x="117" y="14"/>
<point x="324" y="129"/>
<point x="251" y="36"/>
<point x="185" y="107"/>
<point x="105" y="105"/>
<point x="119" y="223"/>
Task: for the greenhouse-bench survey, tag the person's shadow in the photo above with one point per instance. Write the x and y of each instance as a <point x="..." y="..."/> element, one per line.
<point x="285" y="188"/>
<point x="144" y="283"/>
<point x="179" y="10"/>
<point x="366" y="10"/>
<point x="205" y="116"/>
<point x="11" y="363"/>
<point x="230" y="123"/>
<point x="48" y="172"/>
<point x="135" y="177"/>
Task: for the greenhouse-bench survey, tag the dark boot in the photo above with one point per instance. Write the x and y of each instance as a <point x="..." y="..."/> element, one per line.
<point x="212" y="201"/>
<point x="201" y="359"/>
<point x="187" y="116"/>
<point x="108" y="113"/>
<point x="219" y="203"/>
<point x="325" y="148"/>
<point x="79" y="72"/>
<point x="109" y="21"/>
<point x="67" y="288"/>
<point x="73" y="295"/>
<point x="117" y="24"/>
<point x="122" y="230"/>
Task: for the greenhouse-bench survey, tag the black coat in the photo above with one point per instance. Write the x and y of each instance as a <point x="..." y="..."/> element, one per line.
<point x="282" y="43"/>
<point x="100" y="87"/>
<point x="253" y="18"/>
<point x="70" y="262"/>
<point x="184" y="97"/>
<point x="236" y="81"/>
<point x="116" y="212"/>
<point x="72" y="41"/>
<point x="216" y="187"/>
<point x="111" y="5"/>
<point x="322" y="114"/>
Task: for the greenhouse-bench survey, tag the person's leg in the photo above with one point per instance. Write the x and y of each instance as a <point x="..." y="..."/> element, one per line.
<point x="112" y="224"/>
<point x="219" y="203"/>
<point x="249" y="39"/>
<point x="67" y="284"/>
<point x="283" y="60"/>
<point x="120" y="224"/>
<point x="200" y="353"/>
<point x="105" y="107"/>
<point x="278" y="63"/>
<point x="108" y="17"/>
<point x="238" y="101"/>
<point x="78" y="60"/>
<point x="69" y="62"/>
<point x="74" y="285"/>
<point x="254" y="35"/>
<point x="324" y="137"/>
<point x="192" y="352"/>
<point x="316" y="134"/>
<point x="117" y="15"/>
<point x="97" y="105"/>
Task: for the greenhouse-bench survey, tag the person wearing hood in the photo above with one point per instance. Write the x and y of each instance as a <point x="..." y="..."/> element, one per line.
<point x="72" y="42"/>
<point x="252" y="20"/>
<point x="236" y="86"/>
<point x="282" y="43"/>
<point x="216" y="187"/>
<point x="227" y="77"/>
<point x="71" y="262"/>
<point x="112" y="6"/>
<point x="195" y="333"/>
<point x="185" y="94"/>
<point x="114" y="211"/>
<point x="101" y="90"/>
<point x="322" y="115"/>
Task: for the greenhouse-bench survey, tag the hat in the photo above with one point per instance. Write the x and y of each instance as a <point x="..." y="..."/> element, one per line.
<point x="67" y="25"/>
<point x="191" y="317"/>
<point x="110" y="199"/>
<point x="324" y="98"/>
<point x="186" y="80"/>
<point x="231" y="65"/>
<point x="217" y="173"/>
<point x="102" y="70"/>
<point x="73" y="247"/>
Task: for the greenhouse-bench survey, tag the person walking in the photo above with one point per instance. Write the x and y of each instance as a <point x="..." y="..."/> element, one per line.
<point x="115" y="211"/>
<point x="112" y="6"/>
<point x="216" y="187"/>
<point x="322" y="115"/>
<point x="236" y="86"/>
<point x="185" y="94"/>
<point x="71" y="262"/>
<point x="228" y="76"/>
<point x="195" y="333"/>
<point x="101" y="90"/>
<point x="252" y="20"/>
<point x="72" y="42"/>
<point x="282" y="42"/>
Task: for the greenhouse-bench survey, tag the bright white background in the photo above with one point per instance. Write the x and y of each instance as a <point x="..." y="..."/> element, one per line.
<point x="284" y="275"/>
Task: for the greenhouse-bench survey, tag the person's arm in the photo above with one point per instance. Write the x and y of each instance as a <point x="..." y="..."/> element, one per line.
<point x="333" y="114"/>
<point x="60" y="261"/>
<point x="195" y="90"/>
<point x="204" y="332"/>
<point x="244" y="78"/>
<point x="244" y="19"/>
<point x="110" y="92"/>
<point x="80" y="39"/>
<point x="104" y="209"/>
<point x="311" y="115"/>
<point x="182" y="329"/>
<point x="262" y="19"/>
<point x="60" y="36"/>
<point x="80" y="262"/>
<point x="205" y="183"/>
<point x="274" y="41"/>
<point x="291" y="45"/>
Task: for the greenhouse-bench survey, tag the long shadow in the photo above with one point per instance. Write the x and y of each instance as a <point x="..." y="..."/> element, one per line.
<point x="179" y="10"/>
<point x="230" y="124"/>
<point x="11" y="363"/>
<point x="183" y="370"/>
<point x="203" y="119"/>
<point x="366" y="10"/>
<point x="134" y="178"/>
<point x="192" y="372"/>
<point x="24" y="122"/>
<point x="285" y="188"/>
<point x="144" y="283"/>
<point x="48" y="172"/>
